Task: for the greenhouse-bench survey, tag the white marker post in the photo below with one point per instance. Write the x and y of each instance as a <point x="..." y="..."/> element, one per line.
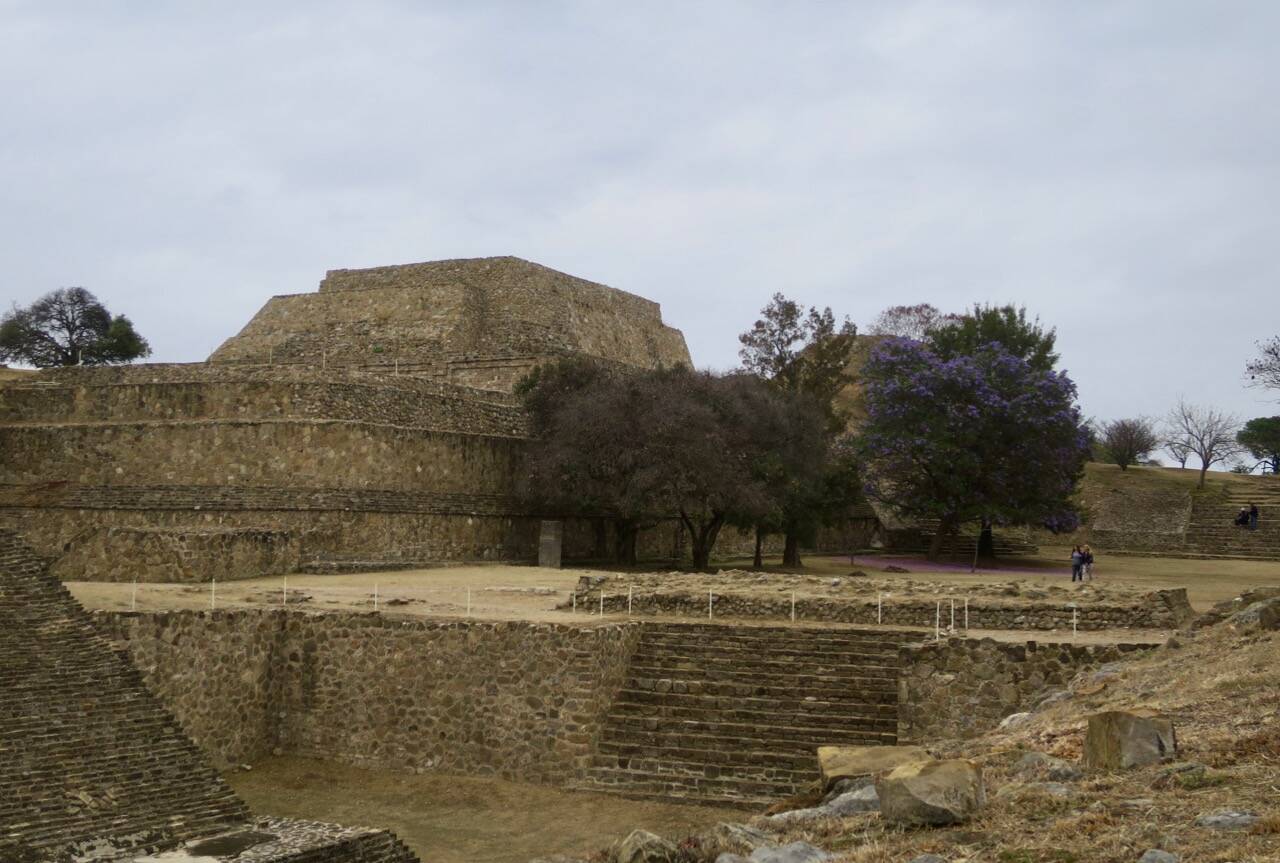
<point x="575" y="602"/>
<point x="602" y="603"/>
<point x="937" y="623"/>
<point x="375" y="596"/>
<point x="628" y="600"/>
<point x="966" y="615"/>
<point x="1074" y="622"/>
<point x="133" y="597"/>
<point x="793" y="606"/>
<point x="213" y="594"/>
<point x="710" y="603"/>
<point x="284" y="593"/>
<point x="953" y="615"/>
<point x="468" y="602"/>
<point x="879" y="608"/>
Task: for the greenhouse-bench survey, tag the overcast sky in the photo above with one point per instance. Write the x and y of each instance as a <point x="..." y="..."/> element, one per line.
<point x="1111" y="165"/>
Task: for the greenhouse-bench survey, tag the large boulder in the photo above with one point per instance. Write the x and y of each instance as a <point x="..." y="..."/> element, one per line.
<point x="1119" y="740"/>
<point x="848" y="762"/>
<point x="1264" y="614"/>
<point x="931" y="792"/>
<point x="641" y="846"/>
<point x="863" y="799"/>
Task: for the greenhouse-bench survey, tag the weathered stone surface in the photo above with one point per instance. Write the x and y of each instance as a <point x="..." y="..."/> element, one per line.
<point x="795" y="852"/>
<point x="1228" y="819"/>
<point x="1053" y="769"/>
<point x="931" y="792"/>
<point x="928" y="858"/>
<point x="1013" y="720"/>
<point x="641" y="846"/>
<point x="850" y="762"/>
<point x="1155" y="855"/>
<point x="864" y="799"/>
<point x="1264" y="614"/>
<point x="1119" y="740"/>
<point x="736" y="838"/>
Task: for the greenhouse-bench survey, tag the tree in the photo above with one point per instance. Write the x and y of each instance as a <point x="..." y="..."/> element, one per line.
<point x="644" y="446"/>
<point x="1126" y="442"/>
<point x="1264" y="370"/>
<point x="1179" y="448"/>
<point x="801" y="352"/>
<point x="1209" y="434"/>
<point x="1261" y="438"/>
<point x="69" y="327"/>
<point x="911" y="322"/>
<point x="986" y="436"/>
<point x="1006" y="326"/>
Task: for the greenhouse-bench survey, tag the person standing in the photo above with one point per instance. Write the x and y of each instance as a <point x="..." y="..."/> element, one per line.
<point x="1077" y="564"/>
<point x="1086" y="562"/>
<point x="1253" y="516"/>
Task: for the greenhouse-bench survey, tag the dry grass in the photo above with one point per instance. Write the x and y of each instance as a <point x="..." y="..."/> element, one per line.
<point x="1221" y="690"/>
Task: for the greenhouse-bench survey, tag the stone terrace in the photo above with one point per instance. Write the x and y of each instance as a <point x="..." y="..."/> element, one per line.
<point x="94" y="768"/>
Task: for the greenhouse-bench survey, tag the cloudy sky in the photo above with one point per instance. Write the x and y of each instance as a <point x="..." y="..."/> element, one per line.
<point x="1112" y="165"/>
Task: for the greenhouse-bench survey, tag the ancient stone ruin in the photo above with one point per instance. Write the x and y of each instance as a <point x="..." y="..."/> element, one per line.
<point x="94" y="768"/>
<point x="370" y="424"/>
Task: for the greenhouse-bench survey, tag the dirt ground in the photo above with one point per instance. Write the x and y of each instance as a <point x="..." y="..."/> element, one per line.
<point x="504" y="592"/>
<point x="452" y="819"/>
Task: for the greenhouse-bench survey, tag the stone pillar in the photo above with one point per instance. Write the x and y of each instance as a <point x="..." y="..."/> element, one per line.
<point x="550" y="541"/>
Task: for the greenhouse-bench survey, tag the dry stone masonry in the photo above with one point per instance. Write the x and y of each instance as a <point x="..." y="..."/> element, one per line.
<point x="93" y="768"/>
<point x="369" y="424"/>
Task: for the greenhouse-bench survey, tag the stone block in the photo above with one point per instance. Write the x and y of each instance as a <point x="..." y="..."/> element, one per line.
<point x="550" y="543"/>
<point x="1120" y="740"/>
<point x="931" y="792"/>
<point x="846" y="762"/>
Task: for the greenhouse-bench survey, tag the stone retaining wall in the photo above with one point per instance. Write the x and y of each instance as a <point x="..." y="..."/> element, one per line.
<point x="964" y="687"/>
<point x="1165" y="609"/>
<point x="519" y="700"/>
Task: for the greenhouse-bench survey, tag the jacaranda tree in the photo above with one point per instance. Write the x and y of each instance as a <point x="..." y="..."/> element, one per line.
<point x="985" y="436"/>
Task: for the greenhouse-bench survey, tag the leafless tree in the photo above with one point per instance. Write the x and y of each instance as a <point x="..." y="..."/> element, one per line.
<point x="1130" y="441"/>
<point x="1210" y="434"/>
<point x="910" y="322"/>
<point x="1265" y="370"/>
<point x="1179" y="448"/>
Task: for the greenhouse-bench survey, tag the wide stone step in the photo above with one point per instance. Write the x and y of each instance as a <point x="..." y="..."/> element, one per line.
<point x="707" y="735"/>
<point x="842" y="702"/>
<point x="732" y="790"/>
<point x="715" y="762"/>
<point x="748" y="651"/>
<point x="752" y="676"/>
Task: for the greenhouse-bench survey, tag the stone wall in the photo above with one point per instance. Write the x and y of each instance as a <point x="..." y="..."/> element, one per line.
<point x="1165" y="609"/>
<point x="519" y="700"/>
<point x="312" y="453"/>
<point x="964" y="687"/>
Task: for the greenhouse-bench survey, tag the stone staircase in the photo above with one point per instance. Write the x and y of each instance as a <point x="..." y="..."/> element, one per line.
<point x="733" y="714"/>
<point x="1211" y="534"/>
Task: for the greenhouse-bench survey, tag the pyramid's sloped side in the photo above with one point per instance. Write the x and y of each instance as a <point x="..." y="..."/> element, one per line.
<point x="478" y="322"/>
<point x="86" y="752"/>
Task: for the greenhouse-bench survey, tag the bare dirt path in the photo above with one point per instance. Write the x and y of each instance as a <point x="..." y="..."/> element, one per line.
<point x="461" y="819"/>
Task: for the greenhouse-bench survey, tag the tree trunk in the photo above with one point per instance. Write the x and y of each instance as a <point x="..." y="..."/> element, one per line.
<point x="986" y="542"/>
<point x="703" y="539"/>
<point x="758" y="561"/>
<point x="602" y="540"/>
<point x="791" y="551"/>
<point x="625" y="536"/>
<point x="945" y="525"/>
<point x="1204" y="469"/>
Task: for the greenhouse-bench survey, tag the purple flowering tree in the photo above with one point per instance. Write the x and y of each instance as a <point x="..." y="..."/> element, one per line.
<point x="978" y="437"/>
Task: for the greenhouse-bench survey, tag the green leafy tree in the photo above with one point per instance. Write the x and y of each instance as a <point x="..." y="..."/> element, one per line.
<point x="1261" y="437"/>
<point x="1007" y="326"/>
<point x="69" y="327"/>
<point x="802" y="352"/>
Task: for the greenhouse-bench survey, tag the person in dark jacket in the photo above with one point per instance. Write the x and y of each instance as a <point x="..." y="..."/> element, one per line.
<point x="1086" y="562"/>
<point x="1077" y="564"/>
<point x="1242" y="518"/>
<point x="1253" y="516"/>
